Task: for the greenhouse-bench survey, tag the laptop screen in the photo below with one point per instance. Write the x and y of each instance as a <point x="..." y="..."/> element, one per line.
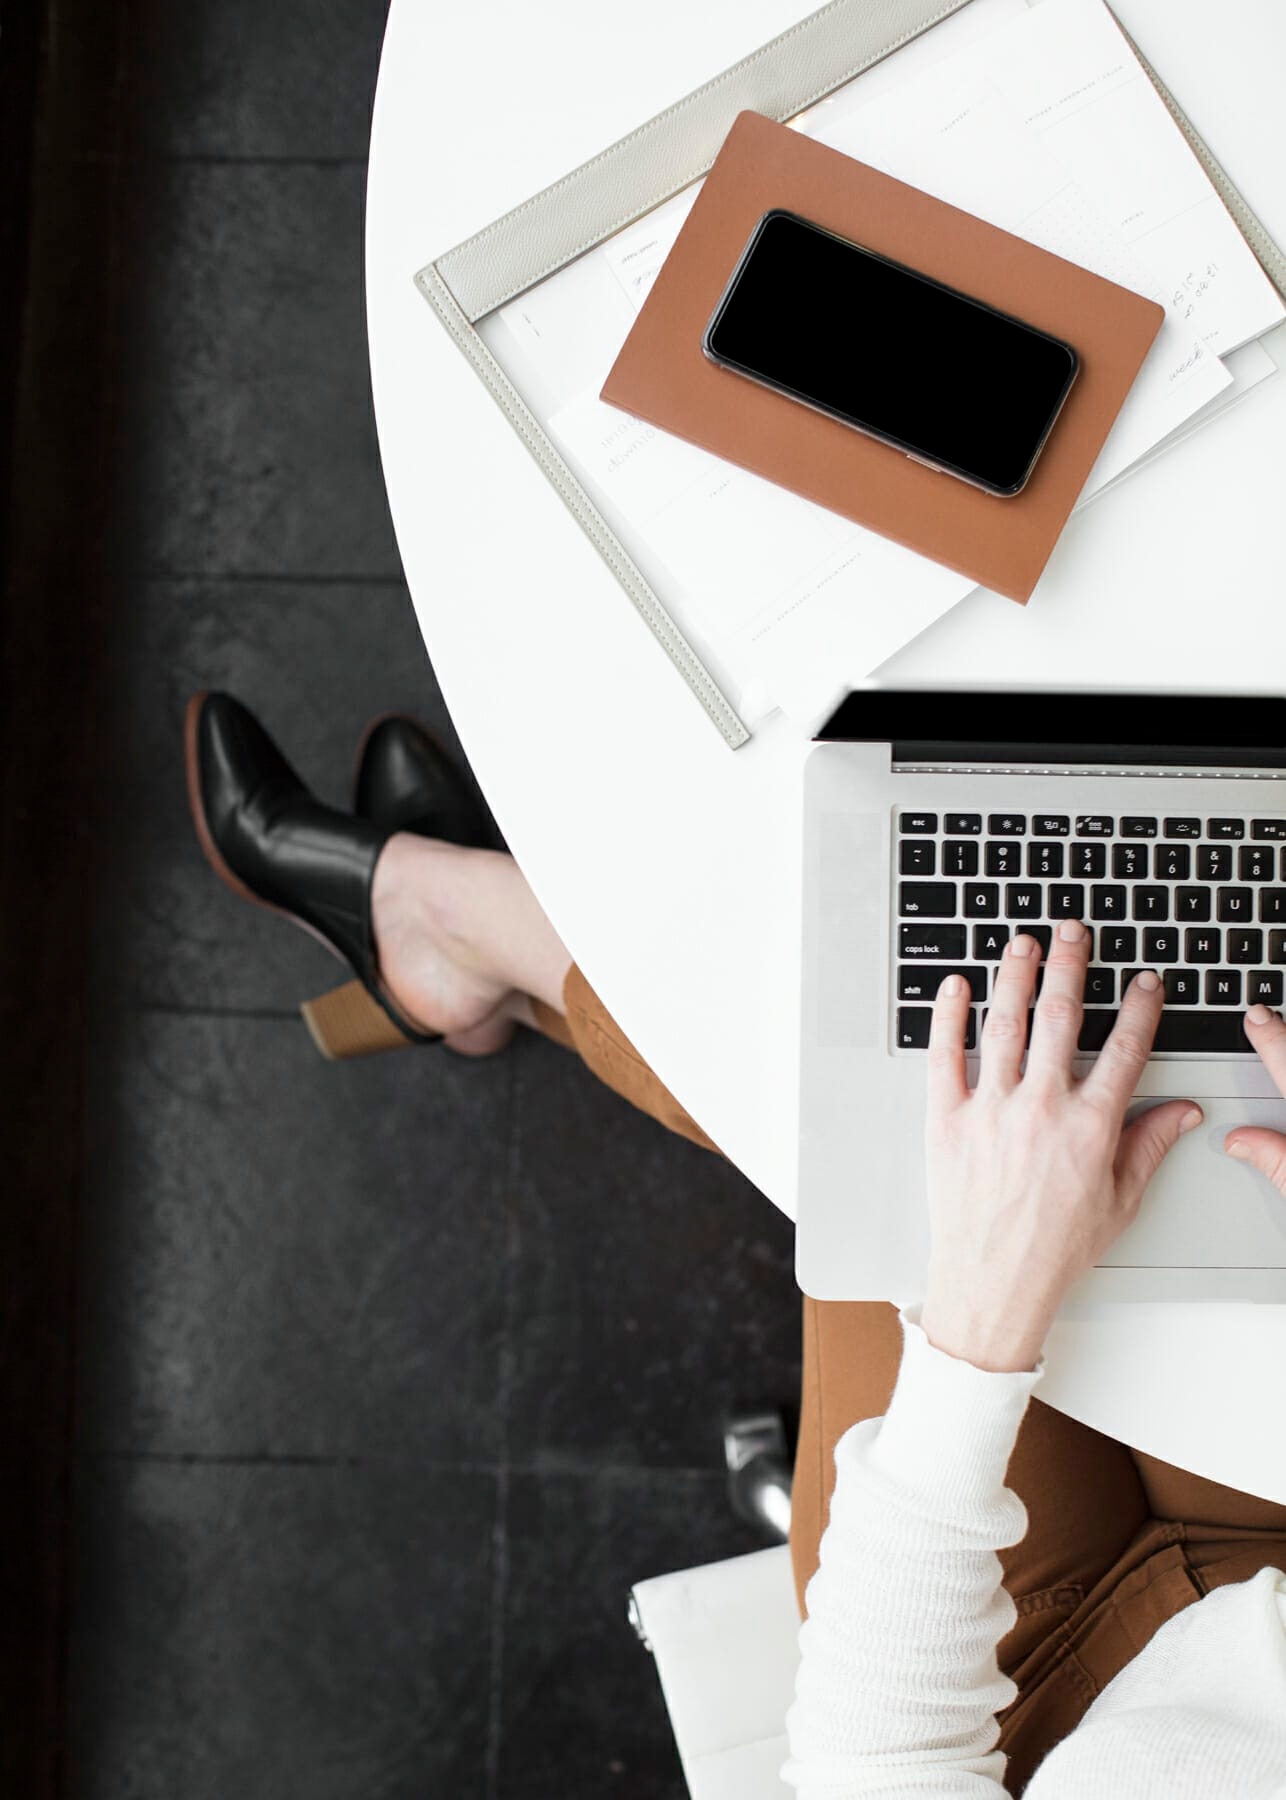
<point x="1158" y="730"/>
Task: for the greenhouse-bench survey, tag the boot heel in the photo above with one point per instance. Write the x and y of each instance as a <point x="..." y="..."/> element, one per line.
<point x="347" y="1023"/>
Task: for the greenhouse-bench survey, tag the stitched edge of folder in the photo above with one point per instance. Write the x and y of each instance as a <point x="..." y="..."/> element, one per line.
<point x="1267" y="251"/>
<point x="446" y="264"/>
<point x="439" y="295"/>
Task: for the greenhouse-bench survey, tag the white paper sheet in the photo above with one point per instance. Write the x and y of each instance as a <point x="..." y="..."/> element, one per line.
<point x="635" y="255"/>
<point x="768" y="577"/>
<point x="1246" y="366"/>
<point x="1062" y="76"/>
<point x="1072" y="73"/>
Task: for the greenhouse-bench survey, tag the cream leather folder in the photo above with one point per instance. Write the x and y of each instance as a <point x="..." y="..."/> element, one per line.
<point x="784" y="77"/>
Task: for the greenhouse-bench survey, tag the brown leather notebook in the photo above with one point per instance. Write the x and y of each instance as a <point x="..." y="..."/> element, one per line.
<point x="663" y="375"/>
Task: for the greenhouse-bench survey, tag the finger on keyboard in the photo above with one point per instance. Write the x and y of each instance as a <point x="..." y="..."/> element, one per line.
<point x="1004" y="1036"/>
<point x="1058" y="1011"/>
<point x="1268" y="1035"/>
<point x="1124" y="1056"/>
<point x="951" y="1014"/>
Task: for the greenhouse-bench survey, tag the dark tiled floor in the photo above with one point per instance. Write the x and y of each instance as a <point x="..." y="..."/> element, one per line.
<point x="574" y="1718"/>
<point x="651" y="1284"/>
<point x="304" y="1632"/>
<point x="257" y="454"/>
<point x="395" y="1376"/>
<point x="292" y="1260"/>
<point x="290" y="82"/>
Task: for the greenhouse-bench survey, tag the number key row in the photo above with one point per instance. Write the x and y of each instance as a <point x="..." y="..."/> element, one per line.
<point x="917" y="855"/>
<point x="1138" y="861"/>
<point x="1173" y="862"/>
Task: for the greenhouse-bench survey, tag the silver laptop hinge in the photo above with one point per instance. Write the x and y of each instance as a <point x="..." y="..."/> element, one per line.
<point x="1174" y="771"/>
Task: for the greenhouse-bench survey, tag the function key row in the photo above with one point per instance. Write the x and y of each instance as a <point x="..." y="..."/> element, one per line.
<point x="1091" y="825"/>
<point x="919" y="824"/>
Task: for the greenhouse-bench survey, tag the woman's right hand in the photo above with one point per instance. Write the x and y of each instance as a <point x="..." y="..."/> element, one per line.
<point x="1032" y="1172"/>
<point x="1265" y="1150"/>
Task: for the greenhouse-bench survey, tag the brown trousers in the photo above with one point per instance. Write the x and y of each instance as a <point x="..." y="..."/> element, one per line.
<point x="1117" y="1542"/>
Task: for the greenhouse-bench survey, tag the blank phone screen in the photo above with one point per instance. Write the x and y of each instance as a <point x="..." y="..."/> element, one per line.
<point x="929" y="370"/>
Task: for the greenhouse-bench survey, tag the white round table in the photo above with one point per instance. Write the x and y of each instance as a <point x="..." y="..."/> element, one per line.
<point x="668" y="863"/>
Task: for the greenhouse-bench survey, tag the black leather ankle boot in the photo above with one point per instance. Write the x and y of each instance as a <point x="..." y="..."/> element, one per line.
<point x="273" y="842"/>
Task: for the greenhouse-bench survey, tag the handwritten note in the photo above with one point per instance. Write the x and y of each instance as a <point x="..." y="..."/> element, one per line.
<point x="635" y="256"/>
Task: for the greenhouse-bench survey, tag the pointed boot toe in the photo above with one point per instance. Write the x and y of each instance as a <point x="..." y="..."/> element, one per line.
<point x="406" y="781"/>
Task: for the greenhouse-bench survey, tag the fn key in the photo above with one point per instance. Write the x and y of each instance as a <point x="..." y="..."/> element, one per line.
<point x="913" y="1028"/>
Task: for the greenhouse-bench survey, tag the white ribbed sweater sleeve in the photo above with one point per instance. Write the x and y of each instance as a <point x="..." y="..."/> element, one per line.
<point x="898" y="1684"/>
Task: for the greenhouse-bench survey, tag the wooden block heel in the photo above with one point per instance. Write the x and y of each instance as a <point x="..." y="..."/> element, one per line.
<point x="347" y="1023"/>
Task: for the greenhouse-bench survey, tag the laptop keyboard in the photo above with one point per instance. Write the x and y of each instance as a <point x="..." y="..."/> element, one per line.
<point x="1200" y="900"/>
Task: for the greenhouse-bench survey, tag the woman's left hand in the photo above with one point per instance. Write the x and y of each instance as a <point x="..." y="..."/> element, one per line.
<point x="1031" y="1176"/>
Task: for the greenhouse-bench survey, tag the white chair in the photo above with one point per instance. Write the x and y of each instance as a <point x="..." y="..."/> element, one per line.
<point x="726" y="1642"/>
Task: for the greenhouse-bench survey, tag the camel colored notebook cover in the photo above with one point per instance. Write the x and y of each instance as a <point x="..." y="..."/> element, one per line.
<point x="663" y="375"/>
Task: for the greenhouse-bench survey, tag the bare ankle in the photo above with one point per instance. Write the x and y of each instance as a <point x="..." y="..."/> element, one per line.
<point x="418" y="890"/>
<point x="474" y="908"/>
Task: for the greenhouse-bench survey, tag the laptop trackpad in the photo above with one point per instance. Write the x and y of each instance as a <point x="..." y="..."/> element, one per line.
<point x="1202" y="1209"/>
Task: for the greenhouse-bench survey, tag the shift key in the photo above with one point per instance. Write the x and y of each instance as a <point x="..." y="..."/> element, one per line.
<point x="928" y="899"/>
<point x="929" y="941"/>
<point x="923" y="983"/>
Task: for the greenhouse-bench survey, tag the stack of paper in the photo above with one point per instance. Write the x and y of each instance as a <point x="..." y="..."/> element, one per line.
<point x="1052" y="130"/>
<point x="1042" y="121"/>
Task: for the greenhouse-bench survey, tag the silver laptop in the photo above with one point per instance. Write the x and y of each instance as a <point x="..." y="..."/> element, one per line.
<point x="938" y="824"/>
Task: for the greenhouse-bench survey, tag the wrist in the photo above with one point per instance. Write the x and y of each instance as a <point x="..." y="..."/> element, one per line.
<point x="992" y="1338"/>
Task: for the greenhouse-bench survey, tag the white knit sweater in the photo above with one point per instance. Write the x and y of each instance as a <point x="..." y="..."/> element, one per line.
<point x="898" y="1686"/>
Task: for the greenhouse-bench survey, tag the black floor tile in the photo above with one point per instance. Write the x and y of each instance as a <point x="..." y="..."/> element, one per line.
<point x="280" y="1634"/>
<point x="582" y="1712"/>
<point x="251" y="440"/>
<point x="236" y="78"/>
<point x="654" y="1286"/>
<point x="315" y="662"/>
<point x="287" y="1257"/>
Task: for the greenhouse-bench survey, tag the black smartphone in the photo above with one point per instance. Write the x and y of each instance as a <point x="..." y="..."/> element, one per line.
<point x="944" y="378"/>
